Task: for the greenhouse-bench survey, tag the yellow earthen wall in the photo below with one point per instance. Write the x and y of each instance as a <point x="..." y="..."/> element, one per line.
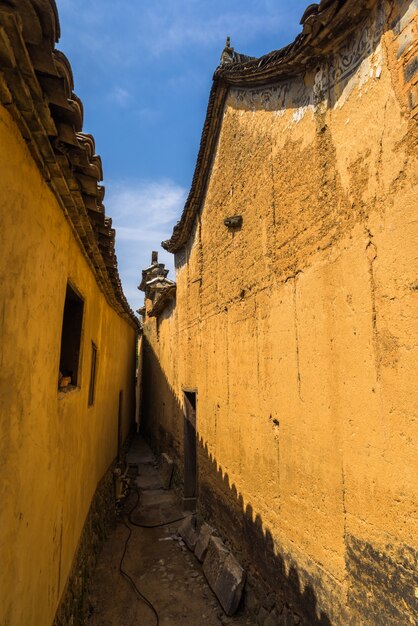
<point x="54" y="449"/>
<point x="299" y="332"/>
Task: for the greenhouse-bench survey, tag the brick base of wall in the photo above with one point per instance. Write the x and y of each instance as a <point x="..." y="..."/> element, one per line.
<point x="73" y="609"/>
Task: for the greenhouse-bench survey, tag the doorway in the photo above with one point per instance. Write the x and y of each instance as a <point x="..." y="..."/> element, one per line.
<point x="190" y="444"/>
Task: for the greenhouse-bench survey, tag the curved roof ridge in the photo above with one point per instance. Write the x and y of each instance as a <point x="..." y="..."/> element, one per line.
<point x="324" y="25"/>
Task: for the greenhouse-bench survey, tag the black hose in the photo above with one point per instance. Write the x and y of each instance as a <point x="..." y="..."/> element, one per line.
<point x="123" y="573"/>
<point x="160" y="524"/>
<point x="126" y="575"/>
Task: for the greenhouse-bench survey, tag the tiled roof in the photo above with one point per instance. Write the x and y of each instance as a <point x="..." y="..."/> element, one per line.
<point x="165" y="296"/>
<point x="36" y="86"/>
<point x="157" y="286"/>
<point x="324" y="26"/>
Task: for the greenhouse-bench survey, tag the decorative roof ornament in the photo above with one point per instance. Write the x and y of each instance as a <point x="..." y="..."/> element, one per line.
<point x="228" y="53"/>
<point x="154" y="278"/>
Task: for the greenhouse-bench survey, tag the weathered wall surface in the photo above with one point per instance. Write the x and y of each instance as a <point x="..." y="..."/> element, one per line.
<point x="299" y="332"/>
<point x="54" y="449"/>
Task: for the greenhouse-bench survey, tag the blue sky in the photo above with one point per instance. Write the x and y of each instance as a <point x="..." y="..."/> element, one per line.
<point x="144" y="72"/>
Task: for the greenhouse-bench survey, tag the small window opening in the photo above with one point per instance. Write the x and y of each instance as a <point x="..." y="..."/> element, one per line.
<point x="71" y="339"/>
<point x="93" y="368"/>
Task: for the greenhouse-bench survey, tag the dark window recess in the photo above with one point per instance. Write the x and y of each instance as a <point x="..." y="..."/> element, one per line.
<point x="93" y="369"/>
<point x="71" y="339"/>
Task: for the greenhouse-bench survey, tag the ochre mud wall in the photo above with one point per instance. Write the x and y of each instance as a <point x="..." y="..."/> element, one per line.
<point x="298" y="331"/>
<point x="54" y="447"/>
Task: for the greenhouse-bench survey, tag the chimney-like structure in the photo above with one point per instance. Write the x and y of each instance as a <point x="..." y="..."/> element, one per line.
<point x="154" y="280"/>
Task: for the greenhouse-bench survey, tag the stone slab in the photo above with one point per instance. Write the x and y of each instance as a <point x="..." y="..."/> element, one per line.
<point x="215" y="558"/>
<point x="166" y="470"/>
<point x="230" y="585"/>
<point x="202" y="544"/>
<point x="224" y="574"/>
<point x="188" y="532"/>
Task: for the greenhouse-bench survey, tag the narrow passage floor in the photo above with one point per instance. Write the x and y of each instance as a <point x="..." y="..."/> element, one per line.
<point x="160" y="565"/>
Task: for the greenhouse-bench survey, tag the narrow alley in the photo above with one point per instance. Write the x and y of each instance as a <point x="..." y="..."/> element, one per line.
<point x="157" y="561"/>
<point x="238" y="281"/>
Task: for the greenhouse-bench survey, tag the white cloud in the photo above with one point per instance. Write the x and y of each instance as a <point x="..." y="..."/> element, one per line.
<point x="158" y="202"/>
<point x="120" y="96"/>
<point x="163" y="28"/>
<point x="138" y="234"/>
<point x="183" y="31"/>
<point x="147" y="114"/>
<point x="143" y="214"/>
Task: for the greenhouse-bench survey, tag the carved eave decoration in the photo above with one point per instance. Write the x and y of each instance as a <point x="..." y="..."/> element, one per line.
<point x="36" y="87"/>
<point x="164" y="298"/>
<point x="155" y="286"/>
<point x="324" y="27"/>
<point x="154" y="271"/>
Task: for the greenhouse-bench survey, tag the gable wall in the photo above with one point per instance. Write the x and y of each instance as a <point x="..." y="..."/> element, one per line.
<point x="298" y="332"/>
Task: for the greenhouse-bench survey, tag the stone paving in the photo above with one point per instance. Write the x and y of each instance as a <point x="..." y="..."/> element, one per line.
<point x="162" y="567"/>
